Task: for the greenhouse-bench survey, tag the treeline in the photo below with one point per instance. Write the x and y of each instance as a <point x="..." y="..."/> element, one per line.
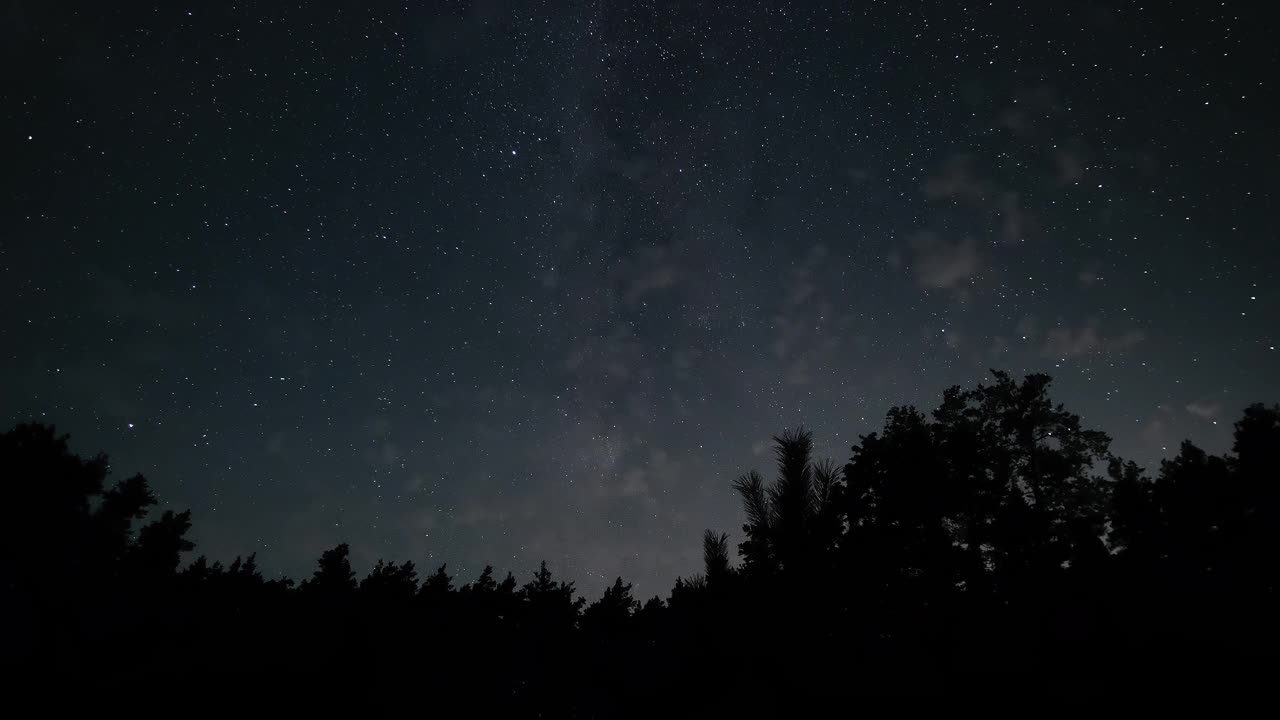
<point x="993" y="548"/>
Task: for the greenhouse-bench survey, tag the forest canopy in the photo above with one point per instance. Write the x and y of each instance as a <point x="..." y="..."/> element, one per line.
<point x="994" y="537"/>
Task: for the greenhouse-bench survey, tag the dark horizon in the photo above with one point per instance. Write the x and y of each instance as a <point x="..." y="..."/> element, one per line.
<point x="733" y="535"/>
<point x="760" y="461"/>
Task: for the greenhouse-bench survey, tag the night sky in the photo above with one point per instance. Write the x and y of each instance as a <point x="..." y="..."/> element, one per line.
<point x="482" y="283"/>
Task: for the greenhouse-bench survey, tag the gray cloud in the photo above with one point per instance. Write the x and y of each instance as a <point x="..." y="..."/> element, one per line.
<point x="939" y="264"/>
<point x="1205" y="409"/>
<point x="1065" y="342"/>
<point x="958" y="179"/>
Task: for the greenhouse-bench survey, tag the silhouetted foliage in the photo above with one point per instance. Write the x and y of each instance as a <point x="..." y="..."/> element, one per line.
<point x="388" y="582"/>
<point x="995" y="545"/>
<point x="437" y="587"/>
<point x="791" y="524"/>
<point x="333" y="576"/>
<point x="161" y="544"/>
<point x="715" y="556"/>
<point x="549" y="606"/>
<point x="613" y="610"/>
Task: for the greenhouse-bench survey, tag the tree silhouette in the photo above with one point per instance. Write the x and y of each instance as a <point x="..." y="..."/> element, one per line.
<point x="483" y="585"/>
<point x="161" y="544"/>
<point x="791" y="522"/>
<point x="333" y="575"/>
<point x="994" y="545"/>
<point x="436" y="588"/>
<point x="715" y="556"/>
<point x="548" y="604"/>
<point x="121" y="505"/>
<point x="390" y="583"/>
<point x="613" y="610"/>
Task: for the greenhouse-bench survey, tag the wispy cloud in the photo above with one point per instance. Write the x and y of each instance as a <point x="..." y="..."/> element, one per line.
<point x="1065" y="342"/>
<point x="1205" y="409"/>
<point x="940" y="264"/>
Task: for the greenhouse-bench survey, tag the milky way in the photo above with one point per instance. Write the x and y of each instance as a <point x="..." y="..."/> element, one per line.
<point x="497" y="283"/>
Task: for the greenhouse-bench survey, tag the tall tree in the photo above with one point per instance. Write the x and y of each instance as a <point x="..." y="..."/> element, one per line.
<point x="790" y="522"/>
<point x="548" y="604"/>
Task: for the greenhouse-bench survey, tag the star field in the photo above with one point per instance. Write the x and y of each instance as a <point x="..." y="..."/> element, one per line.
<point x="493" y="283"/>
